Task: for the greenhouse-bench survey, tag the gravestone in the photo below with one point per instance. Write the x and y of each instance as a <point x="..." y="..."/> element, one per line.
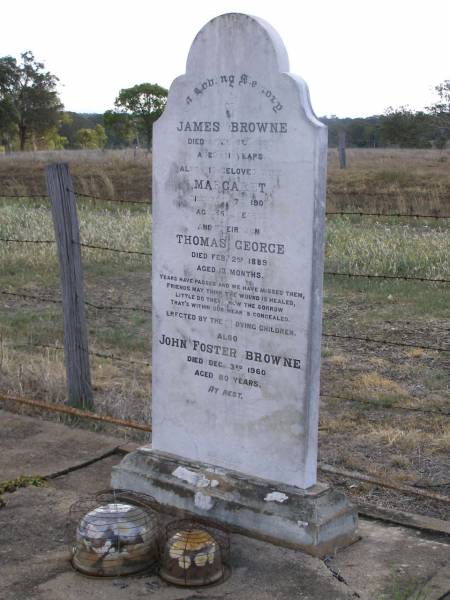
<point x="239" y="165"/>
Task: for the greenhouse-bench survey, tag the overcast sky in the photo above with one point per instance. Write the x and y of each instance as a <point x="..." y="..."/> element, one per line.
<point x="357" y="56"/>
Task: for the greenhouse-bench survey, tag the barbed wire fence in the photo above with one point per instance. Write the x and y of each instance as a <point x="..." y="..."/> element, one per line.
<point x="348" y="275"/>
<point x="119" y="308"/>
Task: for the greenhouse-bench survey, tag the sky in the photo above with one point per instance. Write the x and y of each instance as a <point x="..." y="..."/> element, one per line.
<point x="358" y="57"/>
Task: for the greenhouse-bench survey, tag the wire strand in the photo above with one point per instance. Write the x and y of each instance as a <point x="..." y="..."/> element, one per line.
<point x="120" y="201"/>
<point x="401" y="277"/>
<point x="82" y="244"/>
<point x="139" y="252"/>
<point x="91" y="304"/>
<point x="388" y="342"/>
<point x="370" y="214"/>
<point x="90" y="352"/>
<point x="110" y="249"/>
<point x="17" y="241"/>
<point x="328" y="335"/>
<point x="149" y="203"/>
<point x="374" y="403"/>
<point x="24" y="196"/>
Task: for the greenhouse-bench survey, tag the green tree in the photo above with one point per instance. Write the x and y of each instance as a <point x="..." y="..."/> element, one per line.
<point x="440" y="113"/>
<point x="71" y="122"/>
<point x="91" y="138"/>
<point x="28" y="97"/>
<point x="120" y="128"/>
<point x="53" y="141"/>
<point x="360" y="132"/>
<point x="145" y="103"/>
<point x="442" y="106"/>
<point x="405" y="128"/>
<point x="8" y="130"/>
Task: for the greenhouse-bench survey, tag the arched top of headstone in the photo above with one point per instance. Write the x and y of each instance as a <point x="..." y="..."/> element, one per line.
<point x="230" y="37"/>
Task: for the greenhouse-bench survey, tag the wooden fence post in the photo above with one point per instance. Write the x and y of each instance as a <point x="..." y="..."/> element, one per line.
<point x="65" y="221"/>
<point x="341" y="144"/>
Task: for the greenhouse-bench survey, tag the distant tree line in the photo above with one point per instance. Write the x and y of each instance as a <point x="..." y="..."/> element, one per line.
<point x="401" y="127"/>
<point x="32" y="116"/>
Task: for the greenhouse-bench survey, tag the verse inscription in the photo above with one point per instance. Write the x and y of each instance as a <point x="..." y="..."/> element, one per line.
<point x="232" y="80"/>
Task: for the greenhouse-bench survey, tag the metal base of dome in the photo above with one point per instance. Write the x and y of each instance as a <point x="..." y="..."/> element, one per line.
<point x="150" y="566"/>
<point x="214" y="581"/>
<point x="318" y="520"/>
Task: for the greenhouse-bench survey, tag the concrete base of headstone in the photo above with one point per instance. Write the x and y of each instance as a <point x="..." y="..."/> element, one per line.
<point x="318" y="520"/>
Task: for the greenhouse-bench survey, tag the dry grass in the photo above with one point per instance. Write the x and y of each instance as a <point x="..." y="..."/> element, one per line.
<point x="416" y="162"/>
<point x="417" y="353"/>
<point x="338" y="360"/>
<point x="434" y="439"/>
<point x="23" y="373"/>
<point x="385" y="180"/>
<point x="373" y="384"/>
<point x="115" y="174"/>
<point x="390" y="180"/>
<point x="120" y="390"/>
<point x="399" y="461"/>
<point x="339" y="423"/>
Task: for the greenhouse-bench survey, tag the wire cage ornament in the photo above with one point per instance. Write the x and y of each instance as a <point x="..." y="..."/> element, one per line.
<point x="113" y="533"/>
<point x="194" y="553"/>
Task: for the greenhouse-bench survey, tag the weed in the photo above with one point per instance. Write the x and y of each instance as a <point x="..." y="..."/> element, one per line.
<point x="403" y="590"/>
<point x="22" y="481"/>
<point x="12" y="485"/>
<point x="398" y="460"/>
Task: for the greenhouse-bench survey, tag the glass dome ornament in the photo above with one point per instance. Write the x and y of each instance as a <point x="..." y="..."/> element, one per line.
<point x="194" y="554"/>
<point x="116" y="533"/>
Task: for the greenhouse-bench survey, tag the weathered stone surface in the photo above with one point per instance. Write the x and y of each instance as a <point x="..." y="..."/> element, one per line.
<point x="239" y="172"/>
<point x="318" y="520"/>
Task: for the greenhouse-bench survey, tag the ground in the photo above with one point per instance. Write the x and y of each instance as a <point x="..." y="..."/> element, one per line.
<point x="388" y="563"/>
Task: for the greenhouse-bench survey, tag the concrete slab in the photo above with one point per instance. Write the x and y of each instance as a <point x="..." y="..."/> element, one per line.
<point x="390" y="559"/>
<point x="437" y="588"/>
<point x="32" y="446"/>
<point x="291" y="575"/>
<point x="389" y="562"/>
<point x="34" y="562"/>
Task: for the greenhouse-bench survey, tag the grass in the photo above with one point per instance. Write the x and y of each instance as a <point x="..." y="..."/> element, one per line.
<point x="111" y="279"/>
<point x="381" y="248"/>
<point x="376" y="435"/>
<point x="390" y="180"/>
<point x="394" y="299"/>
<point x="373" y="384"/>
<point x="408" y="439"/>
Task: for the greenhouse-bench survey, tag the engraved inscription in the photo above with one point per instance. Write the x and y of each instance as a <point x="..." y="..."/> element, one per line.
<point x="237" y="243"/>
